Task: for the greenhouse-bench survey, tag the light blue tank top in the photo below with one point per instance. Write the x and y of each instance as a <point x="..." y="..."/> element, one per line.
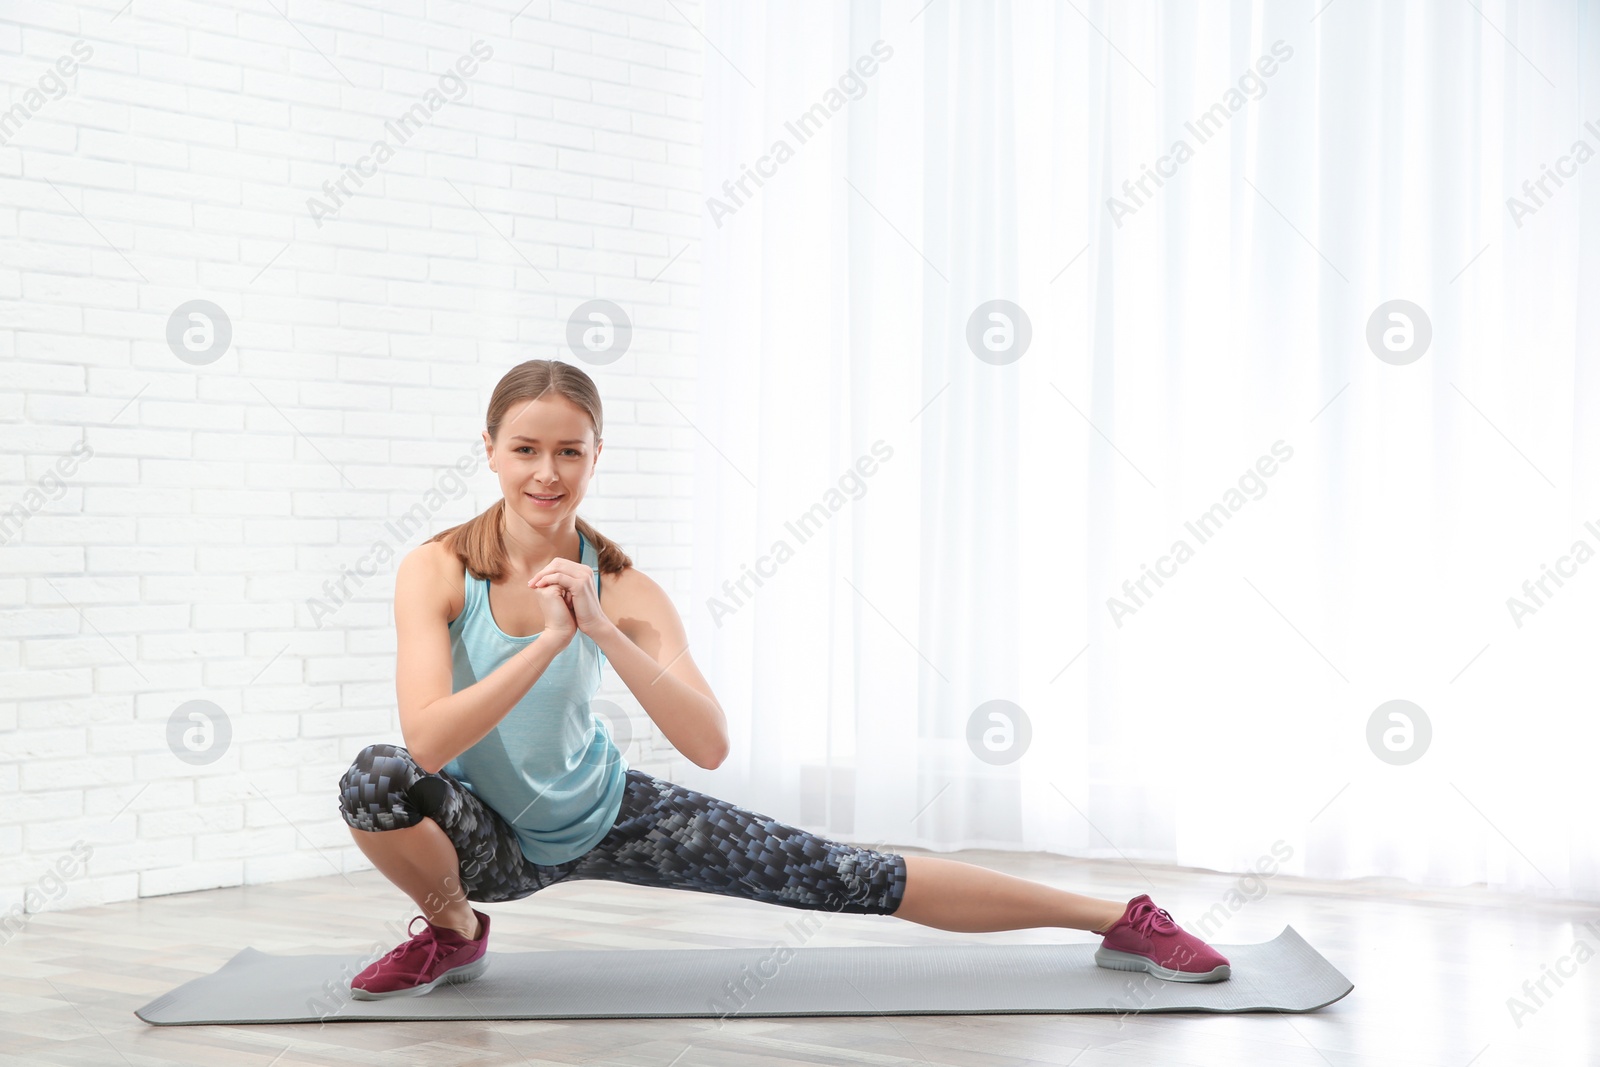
<point x="550" y="766"/>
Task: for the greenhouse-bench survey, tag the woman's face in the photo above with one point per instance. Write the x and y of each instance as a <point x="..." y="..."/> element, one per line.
<point x="545" y="447"/>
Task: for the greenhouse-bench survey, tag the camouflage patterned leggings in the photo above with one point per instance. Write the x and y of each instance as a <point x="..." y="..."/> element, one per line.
<point x="665" y="835"/>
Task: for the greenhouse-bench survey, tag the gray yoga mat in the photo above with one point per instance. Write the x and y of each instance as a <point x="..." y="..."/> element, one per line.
<point x="1284" y="974"/>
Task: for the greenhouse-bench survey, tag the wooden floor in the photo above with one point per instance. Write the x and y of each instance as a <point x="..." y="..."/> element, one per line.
<point x="1432" y="970"/>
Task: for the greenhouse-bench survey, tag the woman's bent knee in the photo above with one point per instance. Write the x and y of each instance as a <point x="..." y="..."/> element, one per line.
<point x="372" y="791"/>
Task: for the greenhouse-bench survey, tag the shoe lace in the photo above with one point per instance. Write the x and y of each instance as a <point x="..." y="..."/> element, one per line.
<point x="1149" y="919"/>
<point x="425" y="942"/>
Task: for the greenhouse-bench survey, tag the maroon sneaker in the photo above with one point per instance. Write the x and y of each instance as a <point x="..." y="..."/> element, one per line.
<point x="1146" y="939"/>
<point x="437" y="954"/>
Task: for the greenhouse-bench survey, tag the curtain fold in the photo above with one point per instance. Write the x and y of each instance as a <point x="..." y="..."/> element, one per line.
<point x="1057" y="488"/>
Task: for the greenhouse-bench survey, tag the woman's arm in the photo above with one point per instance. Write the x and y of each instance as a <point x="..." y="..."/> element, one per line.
<point x="649" y="651"/>
<point x="439" y="725"/>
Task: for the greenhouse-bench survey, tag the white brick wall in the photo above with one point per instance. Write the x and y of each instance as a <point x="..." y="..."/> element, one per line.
<point x="174" y="563"/>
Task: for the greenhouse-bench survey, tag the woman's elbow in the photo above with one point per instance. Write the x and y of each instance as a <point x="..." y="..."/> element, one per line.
<point x="429" y="766"/>
<point x="716" y="728"/>
<point x="716" y="758"/>
<point x="424" y="754"/>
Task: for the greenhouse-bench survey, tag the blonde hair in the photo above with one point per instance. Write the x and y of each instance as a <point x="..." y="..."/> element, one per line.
<point x="479" y="543"/>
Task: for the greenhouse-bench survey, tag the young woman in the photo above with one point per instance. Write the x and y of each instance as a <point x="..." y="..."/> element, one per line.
<point x="508" y="782"/>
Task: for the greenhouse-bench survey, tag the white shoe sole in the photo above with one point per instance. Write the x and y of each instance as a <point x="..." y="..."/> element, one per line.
<point x="1113" y="960"/>
<point x="460" y="974"/>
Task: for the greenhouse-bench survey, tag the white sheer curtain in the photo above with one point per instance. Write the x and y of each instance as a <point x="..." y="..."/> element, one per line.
<point x="1173" y="347"/>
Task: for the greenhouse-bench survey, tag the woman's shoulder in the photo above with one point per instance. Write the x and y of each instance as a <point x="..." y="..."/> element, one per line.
<point x="619" y="591"/>
<point x="437" y="575"/>
<point x="634" y="600"/>
<point x="615" y="583"/>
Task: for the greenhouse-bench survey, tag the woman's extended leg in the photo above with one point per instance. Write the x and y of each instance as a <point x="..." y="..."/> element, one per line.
<point x="950" y="895"/>
<point x="674" y="837"/>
